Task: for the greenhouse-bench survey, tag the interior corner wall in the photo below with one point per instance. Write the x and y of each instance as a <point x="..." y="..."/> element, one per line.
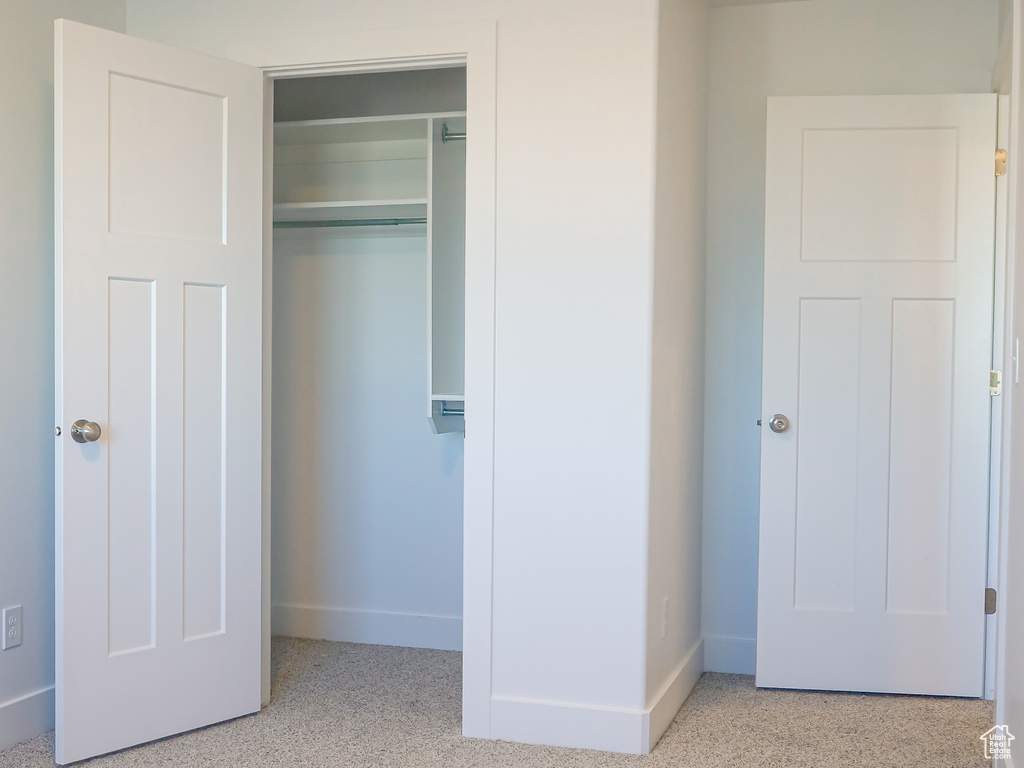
<point x="26" y="346"/>
<point x="574" y="245"/>
<point x="674" y="647"/>
<point x="817" y="47"/>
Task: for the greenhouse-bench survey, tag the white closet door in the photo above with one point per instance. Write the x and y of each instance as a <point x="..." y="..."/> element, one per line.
<point x="879" y="258"/>
<point x="158" y="342"/>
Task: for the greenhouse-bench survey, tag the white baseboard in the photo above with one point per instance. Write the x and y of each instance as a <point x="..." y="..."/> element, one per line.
<point x="375" y="627"/>
<point x="672" y="695"/>
<point x="610" y="730"/>
<point x="737" y="655"/>
<point x="25" y="717"/>
<point x="568" y="725"/>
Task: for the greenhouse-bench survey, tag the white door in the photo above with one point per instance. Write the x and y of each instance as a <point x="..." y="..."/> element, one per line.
<point x="879" y="242"/>
<point x="158" y="342"/>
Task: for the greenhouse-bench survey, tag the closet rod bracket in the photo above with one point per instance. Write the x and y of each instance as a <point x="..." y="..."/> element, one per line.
<point x="447" y="135"/>
<point x="446" y="411"/>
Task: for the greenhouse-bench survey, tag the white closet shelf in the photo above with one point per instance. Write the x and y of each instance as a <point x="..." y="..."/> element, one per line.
<point x="349" y="130"/>
<point x="346" y="210"/>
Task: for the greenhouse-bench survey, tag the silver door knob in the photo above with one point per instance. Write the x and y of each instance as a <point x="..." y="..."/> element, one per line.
<point x="83" y="431"/>
<point x="778" y="423"/>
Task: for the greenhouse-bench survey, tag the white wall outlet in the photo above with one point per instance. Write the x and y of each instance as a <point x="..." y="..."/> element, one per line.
<point x="664" y="617"/>
<point x="12" y="627"/>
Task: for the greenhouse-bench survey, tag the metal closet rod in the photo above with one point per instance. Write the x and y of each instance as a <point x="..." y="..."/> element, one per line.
<point x="395" y="222"/>
<point x="447" y="135"/>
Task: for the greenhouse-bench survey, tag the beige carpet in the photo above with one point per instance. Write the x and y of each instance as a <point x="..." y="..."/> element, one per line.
<point x="337" y="704"/>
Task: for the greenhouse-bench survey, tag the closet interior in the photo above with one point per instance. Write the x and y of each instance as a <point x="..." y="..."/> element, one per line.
<point x="369" y="181"/>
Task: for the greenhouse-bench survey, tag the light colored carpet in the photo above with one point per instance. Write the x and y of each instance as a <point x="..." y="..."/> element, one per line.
<point x="339" y="704"/>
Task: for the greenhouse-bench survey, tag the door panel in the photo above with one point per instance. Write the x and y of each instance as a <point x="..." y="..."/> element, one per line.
<point x="920" y="448"/>
<point x="826" y="510"/>
<point x="159" y="335"/>
<point x="879" y="195"/>
<point x="879" y="243"/>
<point x="131" y="511"/>
<point x="205" y="459"/>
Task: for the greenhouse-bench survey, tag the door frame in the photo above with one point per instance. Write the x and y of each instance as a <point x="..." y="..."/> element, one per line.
<point x="475" y="47"/>
<point x="999" y="334"/>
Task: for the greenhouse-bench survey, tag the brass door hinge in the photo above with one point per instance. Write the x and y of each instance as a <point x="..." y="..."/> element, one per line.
<point x="995" y="383"/>
<point x="1000" y="162"/>
<point x="990" y="601"/>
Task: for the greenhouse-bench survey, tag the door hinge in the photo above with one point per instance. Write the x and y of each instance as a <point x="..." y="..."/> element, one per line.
<point x="1000" y="162"/>
<point x="990" y="601"/>
<point x="995" y="383"/>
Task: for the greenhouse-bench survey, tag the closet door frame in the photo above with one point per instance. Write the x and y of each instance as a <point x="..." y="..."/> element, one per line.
<point x="475" y="47"/>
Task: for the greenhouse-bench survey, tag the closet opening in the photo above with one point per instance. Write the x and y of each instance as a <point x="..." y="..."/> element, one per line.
<point x="368" y="362"/>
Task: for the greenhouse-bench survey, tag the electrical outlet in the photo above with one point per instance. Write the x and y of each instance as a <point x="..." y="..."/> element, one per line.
<point x="664" y="617"/>
<point x="12" y="627"/>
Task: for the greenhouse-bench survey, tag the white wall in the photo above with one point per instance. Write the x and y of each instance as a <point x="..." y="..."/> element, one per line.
<point x="674" y="650"/>
<point x="819" y="47"/>
<point x="26" y="347"/>
<point x="575" y="120"/>
<point x="1010" y="612"/>
<point x="367" y="501"/>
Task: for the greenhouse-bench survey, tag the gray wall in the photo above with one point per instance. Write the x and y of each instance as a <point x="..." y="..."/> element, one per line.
<point x="370" y="93"/>
<point x="26" y="346"/>
<point x="819" y="47"/>
<point x="367" y="501"/>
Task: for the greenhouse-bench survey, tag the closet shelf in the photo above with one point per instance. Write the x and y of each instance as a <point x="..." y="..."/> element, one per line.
<point x="340" y="212"/>
<point x="349" y="130"/>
